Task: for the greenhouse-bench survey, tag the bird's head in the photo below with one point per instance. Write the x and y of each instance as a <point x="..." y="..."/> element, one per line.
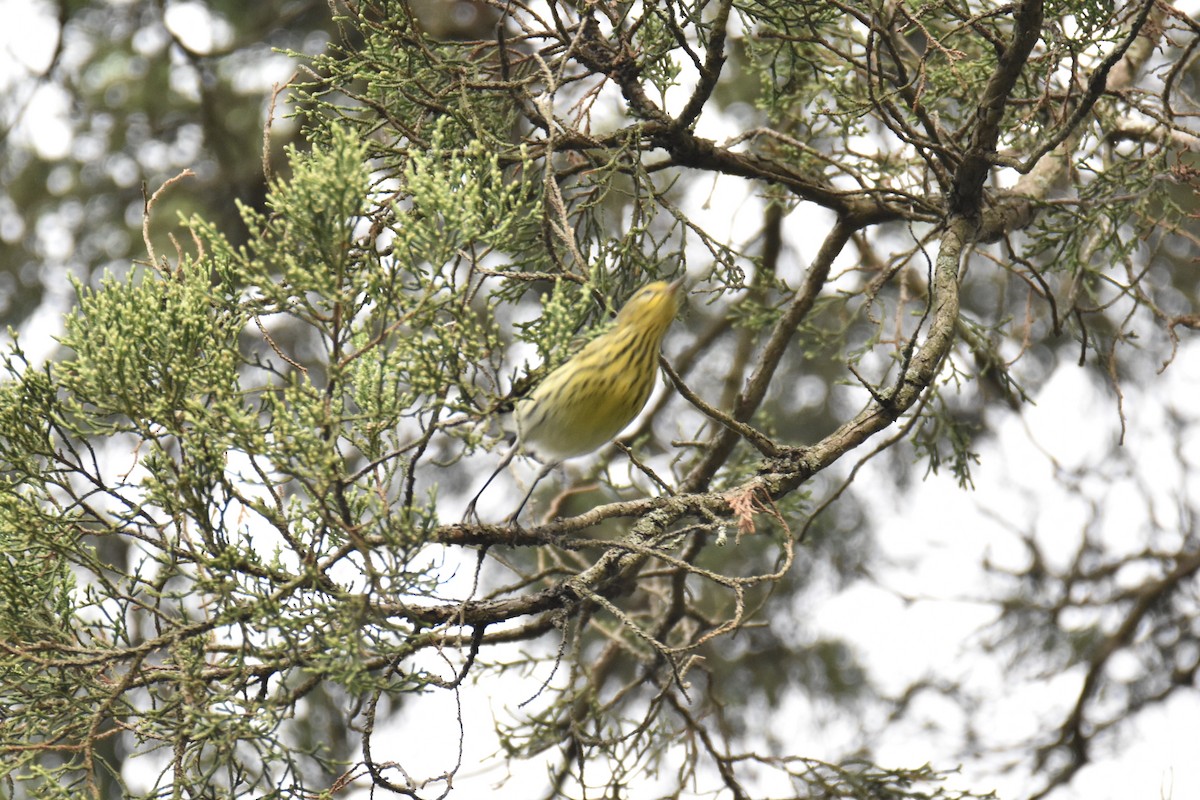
<point x="654" y="305"/>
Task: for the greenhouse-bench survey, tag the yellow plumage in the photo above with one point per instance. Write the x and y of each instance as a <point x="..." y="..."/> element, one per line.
<point x="588" y="400"/>
<point x="598" y="391"/>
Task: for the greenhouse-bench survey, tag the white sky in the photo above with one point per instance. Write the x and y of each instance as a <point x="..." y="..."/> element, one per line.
<point x="934" y="532"/>
<point x="940" y="533"/>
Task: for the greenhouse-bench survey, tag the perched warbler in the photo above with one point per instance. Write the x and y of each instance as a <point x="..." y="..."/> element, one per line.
<point x="599" y="390"/>
<point x="586" y="401"/>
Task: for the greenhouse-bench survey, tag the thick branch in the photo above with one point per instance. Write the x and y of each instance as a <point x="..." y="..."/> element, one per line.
<point x="688" y="150"/>
<point x="1041" y="172"/>
<point x="710" y="71"/>
<point x="919" y="374"/>
<point x="752" y="395"/>
<point x="966" y="194"/>
<point x="1098" y="83"/>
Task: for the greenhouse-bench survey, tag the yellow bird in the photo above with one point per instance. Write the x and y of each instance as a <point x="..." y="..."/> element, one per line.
<point x="591" y="397"/>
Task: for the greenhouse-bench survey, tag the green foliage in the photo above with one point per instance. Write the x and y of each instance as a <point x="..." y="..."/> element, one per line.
<point x="558" y="324"/>
<point x="462" y="198"/>
<point x="656" y="41"/>
<point x="235" y="487"/>
<point x="149" y="352"/>
<point x="947" y="442"/>
<point x="37" y="586"/>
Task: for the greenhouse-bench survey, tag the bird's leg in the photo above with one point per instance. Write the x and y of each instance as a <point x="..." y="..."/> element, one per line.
<point x="504" y="462"/>
<point x="545" y="470"/>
